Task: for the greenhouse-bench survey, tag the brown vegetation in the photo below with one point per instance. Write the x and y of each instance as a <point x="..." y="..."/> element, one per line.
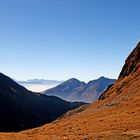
<point x="115" y="116"/>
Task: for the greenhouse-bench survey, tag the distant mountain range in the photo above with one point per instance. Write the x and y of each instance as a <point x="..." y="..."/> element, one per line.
<point x="21" y="109"/>
<point x="39" y="81"/>
<point x="75" y="90"/>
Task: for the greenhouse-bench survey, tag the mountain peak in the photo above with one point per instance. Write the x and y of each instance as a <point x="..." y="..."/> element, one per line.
<point x="73" y="79"/>
<point x="132" y="63"/>
<point x="75" y="90"/>
<point x="102" y="77"/>
<point x="73" y="82"/>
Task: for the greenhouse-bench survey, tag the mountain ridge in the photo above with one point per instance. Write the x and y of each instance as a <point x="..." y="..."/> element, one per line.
<point x="132" y="63"/>
<point x="75" y="90"/>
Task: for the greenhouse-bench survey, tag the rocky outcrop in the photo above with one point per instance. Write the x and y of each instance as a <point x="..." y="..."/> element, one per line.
<point x="132" y="63"/>
<point x="130" y="72"/>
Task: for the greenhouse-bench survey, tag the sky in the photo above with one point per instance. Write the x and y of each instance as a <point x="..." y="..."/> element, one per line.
<point x="61" y="39"/>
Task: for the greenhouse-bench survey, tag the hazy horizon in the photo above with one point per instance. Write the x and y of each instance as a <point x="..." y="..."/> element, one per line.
<point x="36" y="85"/>
<point x="39" y="87"/>
<point x="63" y="39"/>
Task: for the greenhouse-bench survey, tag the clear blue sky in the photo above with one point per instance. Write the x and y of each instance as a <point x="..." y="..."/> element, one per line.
<point x="60" y="39"/>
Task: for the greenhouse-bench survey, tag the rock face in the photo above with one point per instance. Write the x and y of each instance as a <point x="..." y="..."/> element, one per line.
<point x="131" y="69"/>
<point x="21" y="109"/>
<point x="132" y="63"/>
<point x="75" y="90"/>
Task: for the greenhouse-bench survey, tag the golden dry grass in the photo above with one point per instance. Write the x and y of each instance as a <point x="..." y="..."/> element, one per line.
<point x="115" y="118"/>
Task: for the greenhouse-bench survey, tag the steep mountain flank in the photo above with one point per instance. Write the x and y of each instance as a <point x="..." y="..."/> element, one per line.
<point x="129" y="75"/>
<point x="132" y="63"/>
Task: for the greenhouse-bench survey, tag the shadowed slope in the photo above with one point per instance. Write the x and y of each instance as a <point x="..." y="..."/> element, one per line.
<point x="21" y="109"/>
